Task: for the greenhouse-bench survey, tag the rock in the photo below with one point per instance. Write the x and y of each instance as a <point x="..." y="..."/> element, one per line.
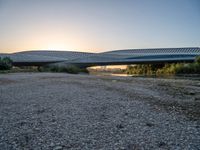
<point x="114" y="81"/>
<point x="191" y="93"/>
<point x="52" y="144"/>
<point x="149" y="124"/>
<point x="58" y="148"/>
<point x="161" y="144"/>
<point x="197" y="98"/>
<point x="120" y="126"/>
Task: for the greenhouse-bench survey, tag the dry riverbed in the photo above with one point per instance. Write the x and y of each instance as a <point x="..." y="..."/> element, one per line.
<point x="63" y="111"/>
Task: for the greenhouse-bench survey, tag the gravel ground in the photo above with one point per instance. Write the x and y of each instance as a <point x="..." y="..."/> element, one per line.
<point x="63" y="111"/>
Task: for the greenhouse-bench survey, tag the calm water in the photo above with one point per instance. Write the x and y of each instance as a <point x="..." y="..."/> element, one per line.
<point x="191" y="77"/>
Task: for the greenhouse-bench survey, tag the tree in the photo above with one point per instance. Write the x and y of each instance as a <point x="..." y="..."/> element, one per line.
<point x="5" y="63"/>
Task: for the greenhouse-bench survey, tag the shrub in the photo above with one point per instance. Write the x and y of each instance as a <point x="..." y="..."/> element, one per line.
<point x="166" y="69"/>
<point x="143" y="69"/>
<point x="5" y="63"/>
<point x="197" y="60"/>
<point x="67" y="69"/>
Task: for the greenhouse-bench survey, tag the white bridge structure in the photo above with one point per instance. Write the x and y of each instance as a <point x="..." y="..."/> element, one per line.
<point x="116" y="57"/>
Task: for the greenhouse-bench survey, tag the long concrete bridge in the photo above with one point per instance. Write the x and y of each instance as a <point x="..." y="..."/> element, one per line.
<point x="117" y="57"/>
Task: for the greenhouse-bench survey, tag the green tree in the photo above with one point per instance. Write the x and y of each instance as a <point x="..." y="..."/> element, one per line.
<point x="5" y="63"/>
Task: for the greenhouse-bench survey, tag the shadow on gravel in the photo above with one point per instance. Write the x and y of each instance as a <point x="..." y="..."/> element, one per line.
<point x="6" y="81"/>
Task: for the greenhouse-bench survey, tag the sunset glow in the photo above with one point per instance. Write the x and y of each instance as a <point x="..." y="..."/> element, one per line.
<point x="96" y="26"/>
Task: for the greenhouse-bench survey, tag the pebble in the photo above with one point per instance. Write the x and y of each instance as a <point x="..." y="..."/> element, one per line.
<point x="116" y="116"/>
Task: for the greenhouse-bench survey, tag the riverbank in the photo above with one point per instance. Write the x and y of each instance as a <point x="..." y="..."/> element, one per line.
<point x="64" y="111"/>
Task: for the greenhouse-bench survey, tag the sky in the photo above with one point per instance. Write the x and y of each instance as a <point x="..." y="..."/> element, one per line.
<point x="98" y="25"/>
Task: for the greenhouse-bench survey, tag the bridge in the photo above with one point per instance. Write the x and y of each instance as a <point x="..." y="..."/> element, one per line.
<point x="117" y="57"/>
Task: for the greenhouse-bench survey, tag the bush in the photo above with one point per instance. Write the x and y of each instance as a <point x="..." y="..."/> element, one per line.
<point x="5" y="63"/>
<point x="143" y="69"/>
<point x="197" y="60"/>
<point x="166" y="69"/>
<point x="67" y="69"/>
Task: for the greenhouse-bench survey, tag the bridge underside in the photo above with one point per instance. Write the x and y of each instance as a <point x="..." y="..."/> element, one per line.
<point x="157" y="61"/>
<point x="105" y="63"/>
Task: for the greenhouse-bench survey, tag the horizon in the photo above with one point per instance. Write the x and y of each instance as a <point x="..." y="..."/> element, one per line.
<point x="98" y="26"/>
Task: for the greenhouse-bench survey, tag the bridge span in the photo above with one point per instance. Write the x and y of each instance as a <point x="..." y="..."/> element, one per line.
<point x="116" y="57"/>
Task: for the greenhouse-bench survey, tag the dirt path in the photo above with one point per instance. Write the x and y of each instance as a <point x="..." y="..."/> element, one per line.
<point x="62" y="111"/>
